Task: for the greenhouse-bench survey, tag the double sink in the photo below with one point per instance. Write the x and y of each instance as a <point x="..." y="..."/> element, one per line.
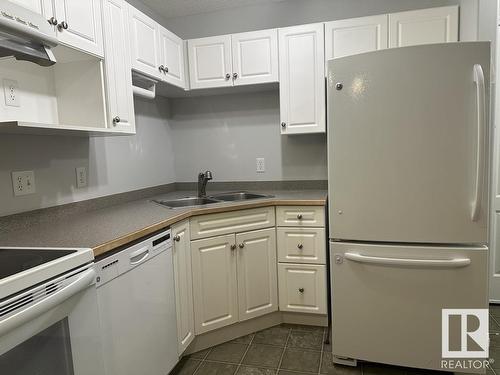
<point x="216" y="198"/>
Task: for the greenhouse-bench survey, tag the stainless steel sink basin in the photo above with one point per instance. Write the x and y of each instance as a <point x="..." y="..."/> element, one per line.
<point x="186" y="202"/>
<point x="238" y="196"/>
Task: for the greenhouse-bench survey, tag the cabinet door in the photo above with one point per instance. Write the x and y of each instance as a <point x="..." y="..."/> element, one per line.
<point x="255" y="57"/>
<point x="355" y="35"/>
<point x="210" y="62"/>
<point x="84" y="24"/>
<point x="172" y="58"/>
<point x="144" y="43"/>
<point x="302" y="82"/>
<point x="183" y="278"/>
<point x="257" y="273"/>
<point x="214" y="282"/>
<point x="433" y="25"/>
<point x="37" y="6"/>
<point x="302" y="288"/>
<point x="118" y="68"/>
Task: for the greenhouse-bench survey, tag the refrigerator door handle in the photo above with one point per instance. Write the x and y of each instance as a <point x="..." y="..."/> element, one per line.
<point x="481" y="115"/>
<point x="441" y="263"/>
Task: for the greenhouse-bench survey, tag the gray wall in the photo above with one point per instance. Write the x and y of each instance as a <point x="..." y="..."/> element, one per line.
<point x="226" y="133"/>
<point x="296" y="12"/>
<point x="115" y="164"/>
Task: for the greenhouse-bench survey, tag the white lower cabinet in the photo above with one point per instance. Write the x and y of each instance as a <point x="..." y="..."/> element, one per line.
<point x="302" y="288"/>
<point x="183" y="278"/>
<point x="257" y="273"/>
<point x="214" y="282"/>
<point x="234" y="278"/>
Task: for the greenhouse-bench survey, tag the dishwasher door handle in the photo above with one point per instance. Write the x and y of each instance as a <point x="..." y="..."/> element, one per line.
<point x="139" y="256"/>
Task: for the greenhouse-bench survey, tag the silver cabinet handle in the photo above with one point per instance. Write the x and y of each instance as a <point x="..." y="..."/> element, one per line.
<point x="116" y="120"/>
<point x="301" y="290"/>
<point x="62" y="26"/>
<point x="177" y="238"/>
<point x="299" y="217"/>
<point x="52" y="21"/>
<point x="161" y="68"/>
<point x="235" y="75"/>
<point x="283" y="125"/>
<point x="300" y="246"/>
<point x="228" y="76"/>
<point x="241" y="245"/>
<point x="165" y="70"/>
<point x="233" y="247"/>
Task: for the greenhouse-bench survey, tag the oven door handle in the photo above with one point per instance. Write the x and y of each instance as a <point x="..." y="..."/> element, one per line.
<point x="83" y="281"/>
<point x="385" y="261"/>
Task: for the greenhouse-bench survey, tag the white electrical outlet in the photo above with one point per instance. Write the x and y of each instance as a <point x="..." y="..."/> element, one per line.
<point x="81" y="177"/>
<point x="261" y="165"/>
<point x="23" y="183"/>
<point x="11" y="90"/>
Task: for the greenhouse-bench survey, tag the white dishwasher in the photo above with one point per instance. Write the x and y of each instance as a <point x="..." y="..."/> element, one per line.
<point x="135" y="291"/>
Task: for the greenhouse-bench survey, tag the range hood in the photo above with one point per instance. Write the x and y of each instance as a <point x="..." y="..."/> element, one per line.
<point x="26" y="35"/>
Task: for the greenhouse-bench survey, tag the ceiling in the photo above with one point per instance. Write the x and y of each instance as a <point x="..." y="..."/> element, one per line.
<point x="179" y="8"/>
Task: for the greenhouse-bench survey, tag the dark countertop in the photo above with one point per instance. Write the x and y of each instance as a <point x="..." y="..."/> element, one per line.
<point x="107" y="228"/>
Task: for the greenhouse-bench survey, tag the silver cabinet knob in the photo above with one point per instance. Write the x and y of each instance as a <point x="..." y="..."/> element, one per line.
<point x="116" y="120"/>
<point x="339" y="86"/>
<point x="165" y="70"/>
<point x="161" y="68"/>
<point x="241" y="245"/>
<point x="301" y="290"/>
<point x="228" y="76"/>
<point x="300" y="246"/>
<point x="177" y="238"/>
<point x="62" y="26"/>
<point x="283" y="125"/>
<point x="233" y="247"/>
<point x="52" y="21"/>
<point x="235" y="75"/>
<point x="299" y="217"/>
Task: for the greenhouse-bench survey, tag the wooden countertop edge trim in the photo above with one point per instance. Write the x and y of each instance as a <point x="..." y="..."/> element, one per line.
<point x="111" y="245"/>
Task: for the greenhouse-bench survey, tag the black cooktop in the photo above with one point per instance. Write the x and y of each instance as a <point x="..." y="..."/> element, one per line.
<point x="13" y="261"/>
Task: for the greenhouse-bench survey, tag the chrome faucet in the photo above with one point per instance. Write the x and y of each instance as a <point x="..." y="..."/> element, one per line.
<point x="203" y="178"/>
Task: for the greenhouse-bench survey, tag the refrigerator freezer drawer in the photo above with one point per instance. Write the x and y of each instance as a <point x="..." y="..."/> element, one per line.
<point x="387" y="300"/>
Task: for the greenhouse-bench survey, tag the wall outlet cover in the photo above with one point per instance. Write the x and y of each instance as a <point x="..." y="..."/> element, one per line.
<point x="23" y="183"/>
<point x="11" y="91"/>
<point x="81" y="177"/>
<point x="261" y="165"/>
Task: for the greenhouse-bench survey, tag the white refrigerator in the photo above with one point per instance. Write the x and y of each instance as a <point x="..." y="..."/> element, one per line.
<point x="408" y="163"/>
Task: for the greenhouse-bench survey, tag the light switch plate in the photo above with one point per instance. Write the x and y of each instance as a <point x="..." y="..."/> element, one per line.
<point x="81" y="177"/>
<point x="23" y="183"/>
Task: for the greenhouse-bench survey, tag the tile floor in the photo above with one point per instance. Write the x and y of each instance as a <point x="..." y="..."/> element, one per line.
<point x="294" y="350"/>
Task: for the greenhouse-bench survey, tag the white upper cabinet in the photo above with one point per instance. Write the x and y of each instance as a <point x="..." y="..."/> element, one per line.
<point x="210" y="62"/>
<point x="37" y="6"/>
<point x="433" y="25"/>
<point x="302" y="82"/>
<point x="117" y="66"/>
<point x="355" y="35"/>
<point x="79" y="24"/>
<point x="172" y="58"/>
<point x="255" y="57"/>
<point x="144" y="44"/>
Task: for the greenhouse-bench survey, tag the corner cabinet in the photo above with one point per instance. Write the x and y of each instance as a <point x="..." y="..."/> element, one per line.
<point x="183" y="279"/>
<point x="210" y="62"/>
<point x="424" y="26"/>
<point x="302" y="79"/>
<point x="355" y="35"/>
<point x="120" y="100"/>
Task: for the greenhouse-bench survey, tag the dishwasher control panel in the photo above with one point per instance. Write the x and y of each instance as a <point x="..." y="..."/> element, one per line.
<point x="132" y="256"/>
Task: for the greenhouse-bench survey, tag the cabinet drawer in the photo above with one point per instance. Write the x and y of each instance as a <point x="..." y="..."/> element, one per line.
<point x="300" y="216"/>
<point x="302" y="245"/>
<point x="302" y="288"/>
<point x="232" y="222"/>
